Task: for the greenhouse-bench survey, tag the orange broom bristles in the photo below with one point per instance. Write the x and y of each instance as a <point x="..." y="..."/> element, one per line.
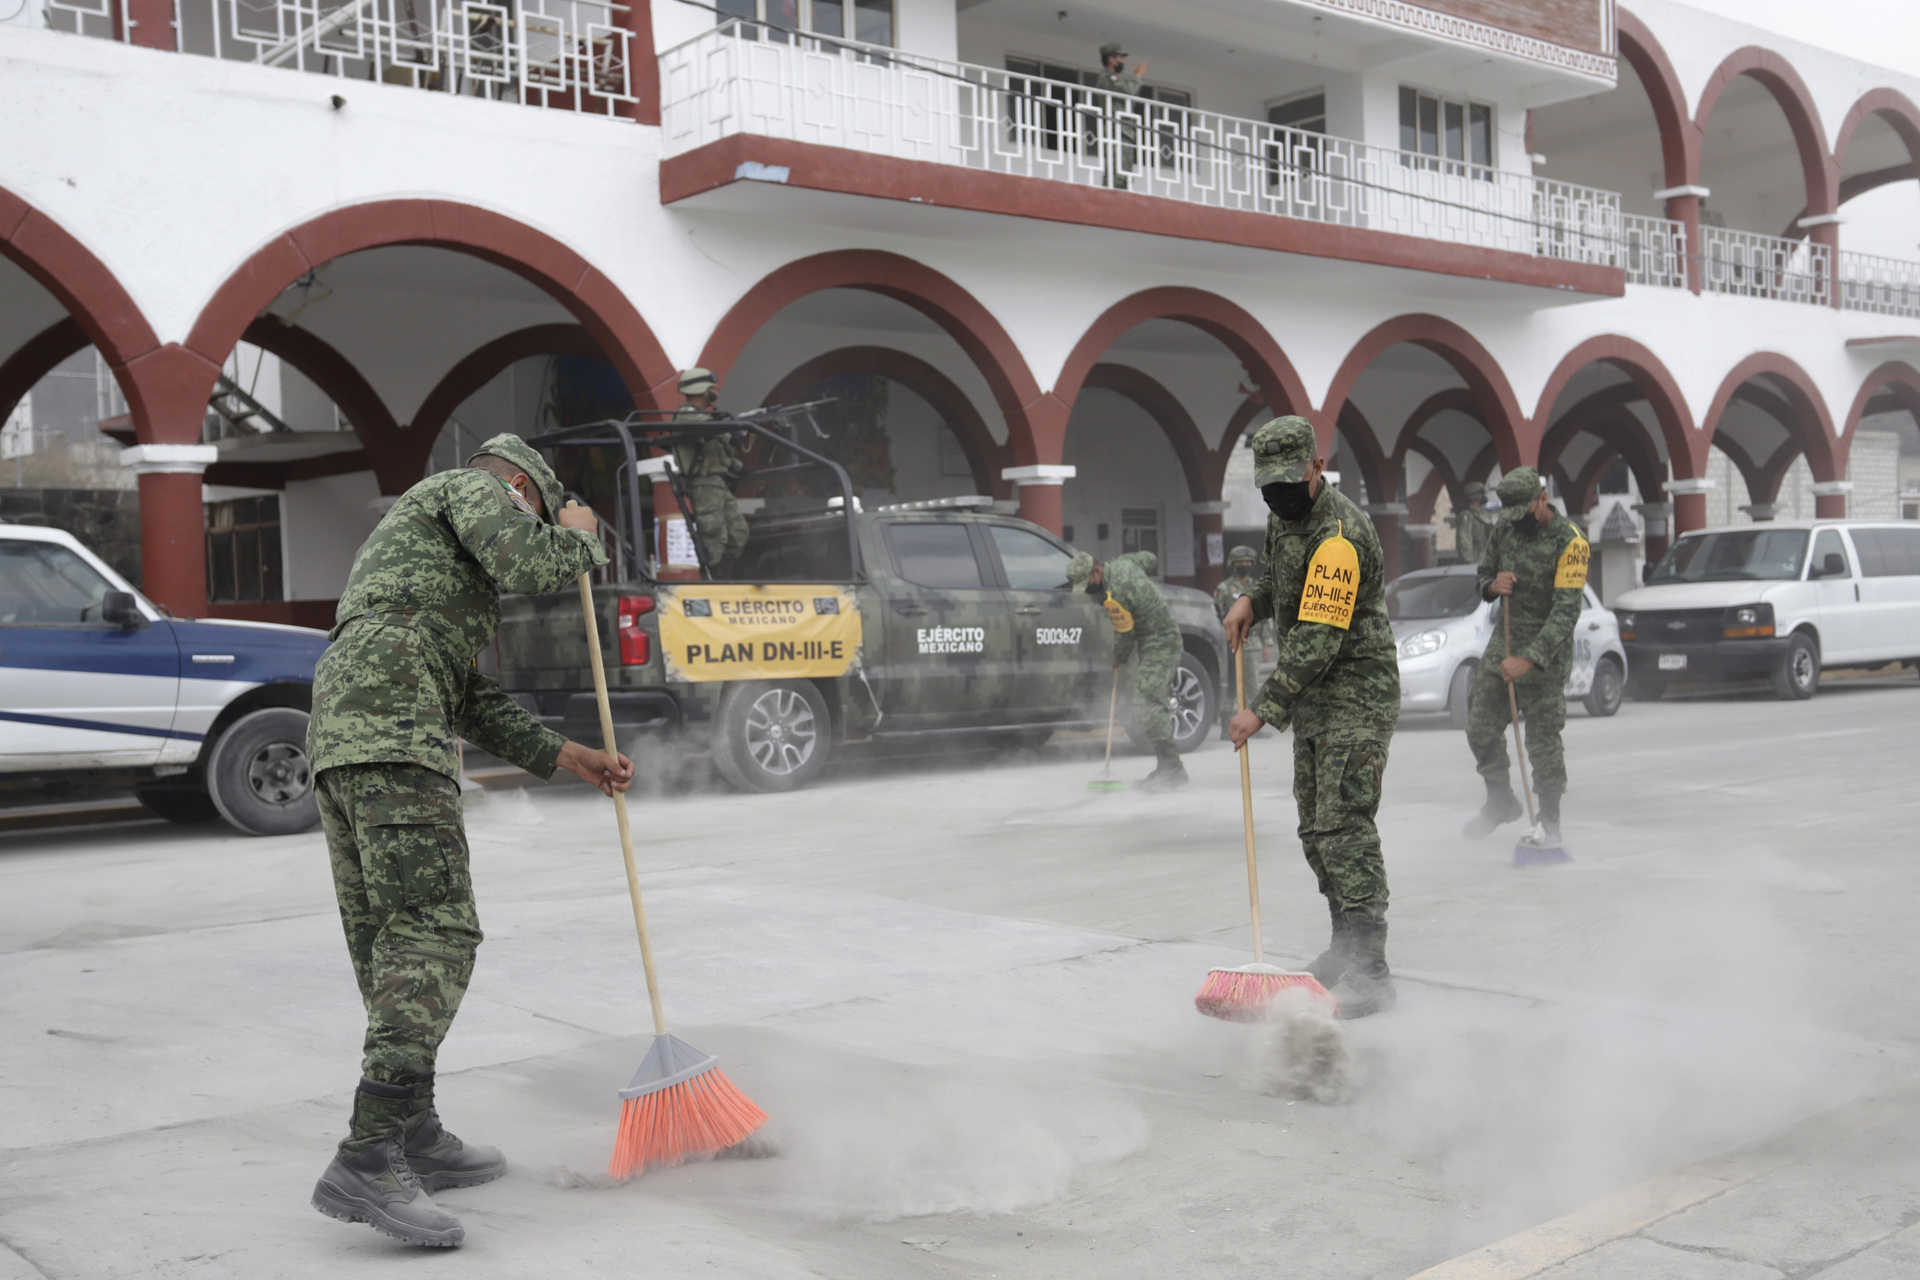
<point x="691" y="1120"/>
<point x="1246" y="995"/>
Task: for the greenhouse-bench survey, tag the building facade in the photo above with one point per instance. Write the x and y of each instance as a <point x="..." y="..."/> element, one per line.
<point x="323" y="249"/>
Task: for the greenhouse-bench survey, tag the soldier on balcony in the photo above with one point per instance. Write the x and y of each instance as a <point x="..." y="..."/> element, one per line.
<point x="1122" y="156"/>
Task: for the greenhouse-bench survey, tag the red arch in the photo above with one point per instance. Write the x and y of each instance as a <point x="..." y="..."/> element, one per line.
<point x="36" y="358"/>
<point x="1897" y="376"/>
<point x="1811" y="426"/>
<point x="1374" y="466"/>
<point x="622" y="335"/>
<point x="984" y="454"/>
<point x="1197" y="462"/>
<point x="1513" y="436"/>
<point x="1446" y="400"/>
<point x="1650" y="63"/>
<point x="1686" y="447"/>
<point x="1890" y="105"/>
<point x="1227" y="322"/>
<point x="1778" y="77"/>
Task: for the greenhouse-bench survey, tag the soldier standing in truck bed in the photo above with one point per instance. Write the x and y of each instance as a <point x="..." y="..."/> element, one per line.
<point x="707" y="465"/>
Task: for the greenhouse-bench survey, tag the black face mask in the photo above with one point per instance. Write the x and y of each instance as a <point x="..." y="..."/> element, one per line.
<point x="1526" y="522"/>
<point x="1288" y="499"/>
<point x="1095" y="589"/>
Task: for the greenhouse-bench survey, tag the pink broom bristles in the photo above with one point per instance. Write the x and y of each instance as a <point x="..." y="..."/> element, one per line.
<point x="691" y="1120"/>
<point x="1246" y="995"/>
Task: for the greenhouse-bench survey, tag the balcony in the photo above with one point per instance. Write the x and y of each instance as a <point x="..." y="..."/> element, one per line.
<point x="741" y="79"/>
<point x="567" y="54"/>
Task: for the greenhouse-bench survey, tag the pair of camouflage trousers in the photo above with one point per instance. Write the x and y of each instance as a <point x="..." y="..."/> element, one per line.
<point x="1336" y="784"/>
<point x="716" y="513"/>
<point x="1543" y="709"/>
<point x="1159" y="658"/>
<point x="398" y="845"/>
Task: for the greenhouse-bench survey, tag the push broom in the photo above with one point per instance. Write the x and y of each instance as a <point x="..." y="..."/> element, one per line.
<point x="1247" y="994"/>
<point x="678" y="1106"/>
<point x="1106" y="781"/>
<point x="1532" y="849"/>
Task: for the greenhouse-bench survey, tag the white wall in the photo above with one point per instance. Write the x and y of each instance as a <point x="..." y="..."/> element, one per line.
<point x="322" y="524"/>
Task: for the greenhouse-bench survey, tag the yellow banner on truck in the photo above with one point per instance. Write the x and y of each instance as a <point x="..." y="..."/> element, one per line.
<point x="782" y="631"/>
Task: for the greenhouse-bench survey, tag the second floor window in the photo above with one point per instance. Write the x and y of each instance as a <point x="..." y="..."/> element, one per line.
<point x="867" y="21"/>
<point x="1445" y="128"/>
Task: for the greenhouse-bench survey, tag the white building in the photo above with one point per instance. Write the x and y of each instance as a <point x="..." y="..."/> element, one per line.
<point x="1459" y="236"/>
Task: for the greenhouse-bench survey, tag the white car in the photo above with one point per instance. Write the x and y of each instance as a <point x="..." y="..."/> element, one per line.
<point x="203" y="718"/>
<point x="1780" y="600"/>
<point x="1442" y="626"/>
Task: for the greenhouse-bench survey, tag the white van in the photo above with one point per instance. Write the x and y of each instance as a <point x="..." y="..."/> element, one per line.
<point x="1781" y="600"/>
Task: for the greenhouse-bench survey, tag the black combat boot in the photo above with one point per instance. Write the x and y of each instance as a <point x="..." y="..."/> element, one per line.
<point x="438" y="1158"/>
<point x="370" y="1181"/>
<point x="1366" y="988"/>
<point x="1331" y="963"/>
<point x="1550" y="817"/>
<point x="1502" y="807"/>
<point x="1168" y="775"/>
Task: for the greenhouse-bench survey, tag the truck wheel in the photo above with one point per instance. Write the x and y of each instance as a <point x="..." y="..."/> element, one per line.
<point x="1460" y="693"/>
<point x="184" y="805"/>
<point x="1603" y="699"/>
<point x="1193" y="704"/>
<point x="1798" y="675"/>
<point x="771" y="735"/>
<point x="259" y="776"/>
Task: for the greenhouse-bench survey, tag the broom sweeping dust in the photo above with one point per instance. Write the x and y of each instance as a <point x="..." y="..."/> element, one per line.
<point x="1106" y="781"/>
<point x="678" y="1106"/>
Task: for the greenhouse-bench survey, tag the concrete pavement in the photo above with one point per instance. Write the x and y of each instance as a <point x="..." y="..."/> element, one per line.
<point x="964" y="994"/>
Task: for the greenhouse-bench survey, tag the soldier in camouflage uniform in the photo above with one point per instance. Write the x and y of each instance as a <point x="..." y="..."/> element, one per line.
<point x="1141" y="623"/>
<point x="1337" y="684"/>
<point x="1123" y="157"/>
<point x="392" y="696"/>
<point x="1472" y="524"/>
<point x="1537" y="561"/>
<point x="1242" y="563"/>
<point x="707" y="465"/>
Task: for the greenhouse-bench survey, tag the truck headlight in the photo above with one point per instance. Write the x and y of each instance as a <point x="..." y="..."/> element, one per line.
<point x="1425" y="642"/>
<point x="1748" y="622"/>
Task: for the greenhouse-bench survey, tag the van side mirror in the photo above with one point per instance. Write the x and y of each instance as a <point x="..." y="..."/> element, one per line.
<point x="1646" y="572"/>
<point x="120" y="609"/>
<point x="1831" y="565"/>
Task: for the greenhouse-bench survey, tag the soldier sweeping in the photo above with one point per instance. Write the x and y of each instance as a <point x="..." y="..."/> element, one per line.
<point x="1472" y="524"/>
<point x="1337" y="683"/>
<point x="1536" y="564"/>
<point x="1142" y="624"/>
<point x="708" y="465"/>
<point x="391" y="698"/>
<point x="1242" y="562"/>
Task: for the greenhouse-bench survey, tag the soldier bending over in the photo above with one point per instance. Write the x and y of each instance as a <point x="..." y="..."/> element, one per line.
<point x="1141" y="621"/>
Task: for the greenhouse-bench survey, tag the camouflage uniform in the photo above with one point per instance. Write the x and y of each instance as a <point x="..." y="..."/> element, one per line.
<point x="1260" y="637"/>
<point x="1473" y="525"/>
<point x="1122" y="157"/>
<point x="1142" y="621"/>
<point x="1543" y="618"/>
<point x="707" y="465"/>
<point x="392" y="696"/>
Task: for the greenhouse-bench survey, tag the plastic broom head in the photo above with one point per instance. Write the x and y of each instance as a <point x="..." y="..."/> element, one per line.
<point x="679" y="1106"/>
<point x="1535" y="850"/>
<point x="1106" y="782"/>
<point x="1247" y="994"/>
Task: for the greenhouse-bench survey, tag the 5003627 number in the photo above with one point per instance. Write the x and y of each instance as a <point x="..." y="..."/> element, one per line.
<point x="1056" y="635"/>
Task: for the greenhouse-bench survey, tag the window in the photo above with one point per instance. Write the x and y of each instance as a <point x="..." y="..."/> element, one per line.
<point x="1446" y="129"/>
<point x="1887" y="553"/>
<point x="243" y="550"/>
<point x="1742" y="556"/>
<point x="1440" y="595"/>
<point x="1032" y="563"/>
<point x="934" y="555"/>
<point x="868" y="21"/>
<point x="42" y="584"/>
<point x="1140" y="529"/>
<point x="1307" y="113"/>
<point x="1063" y="74"/>
<point x="805" y="553"/>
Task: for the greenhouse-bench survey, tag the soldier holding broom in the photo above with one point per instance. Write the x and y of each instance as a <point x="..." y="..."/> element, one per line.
<point x="1337" y="684"/>
<point x="391" y="697"/>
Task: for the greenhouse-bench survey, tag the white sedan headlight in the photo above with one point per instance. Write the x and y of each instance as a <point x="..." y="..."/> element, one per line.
<point x="1425" y="642"/>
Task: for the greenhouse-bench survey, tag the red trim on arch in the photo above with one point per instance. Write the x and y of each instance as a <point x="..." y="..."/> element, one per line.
<point x="1686" y="447"/>
<point x="1896" y="108"/>
<point x="36" y="358"/>
<point x="1514" y="437"/>
<point x="1373" y="464"/>
<point x="80" y="281"/>
<point x="1778" y="77"/>
<point x="1811" y="426"/>
<point x="1160" y="404"/>
<point x="334" y="374"/>
<point x="1447" y="400"/>
<point x="984" y="454"/>
<point x="859" y="173"/>
<point x="1895" y="376"/>
<point x="1650" y="63"/>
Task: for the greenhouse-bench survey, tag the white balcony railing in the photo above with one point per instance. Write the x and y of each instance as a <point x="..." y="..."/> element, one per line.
<point x="570" y="54"/>
<point x="1656" y="251"/>
<point x="744" y="78"/>
<point x="1752" y="265"/>
<point x="1883" y="286"/>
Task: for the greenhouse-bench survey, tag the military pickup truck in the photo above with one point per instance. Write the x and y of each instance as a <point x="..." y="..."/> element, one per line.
<point x="839" y="625"/>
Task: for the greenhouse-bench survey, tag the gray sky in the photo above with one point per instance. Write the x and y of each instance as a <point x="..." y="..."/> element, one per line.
<point x="1886" y="32"/>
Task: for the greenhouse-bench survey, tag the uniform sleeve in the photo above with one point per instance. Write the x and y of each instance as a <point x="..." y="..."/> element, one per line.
<point x="1488" y="566"/>
<point x="498" y="725"/>
<point x="1552" y="640"/>
<point x="1268" y="586"/>
<point x="519" y="552"/>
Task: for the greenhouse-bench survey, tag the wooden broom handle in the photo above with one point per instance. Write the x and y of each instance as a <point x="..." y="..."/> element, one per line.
<point x="1246" y="805"/>
<point x="1513" y="705"/>
<point x="1113" y="705"/>
<point x="620" y="802"/>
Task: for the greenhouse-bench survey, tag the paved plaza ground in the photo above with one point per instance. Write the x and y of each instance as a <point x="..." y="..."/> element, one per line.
<point x="962" y="987"/>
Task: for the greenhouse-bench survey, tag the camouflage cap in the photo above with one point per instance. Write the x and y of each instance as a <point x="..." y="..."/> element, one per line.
<point x="697" y="382"/>
<point x="1474" y="488"/>
<point x="1243" y="552"/>
<point x="527" y="458"/>
<point x="1079" y="569"/>
<point x="1112" y="47"/>
<point x="1519" y="487"/>
<point x="1282" y="451"/>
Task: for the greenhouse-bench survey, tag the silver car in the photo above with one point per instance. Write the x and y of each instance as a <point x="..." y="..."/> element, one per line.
<point x="1442" y="626"/>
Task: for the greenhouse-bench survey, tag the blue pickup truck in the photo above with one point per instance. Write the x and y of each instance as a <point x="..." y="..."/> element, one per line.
<point x="204" y="719"/>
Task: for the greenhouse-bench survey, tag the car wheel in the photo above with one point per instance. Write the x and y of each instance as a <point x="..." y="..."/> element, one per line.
<point x="1646" y="690"/>
<point x="259" y="775"/>
<point x="1603" y="699"/>
<point x="184" y="805"/>
<point x="771" y="735"/>
<point x="1798" y="675"/>
<point x="1460" y="694"/>
<point x="1193" y="704"/>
